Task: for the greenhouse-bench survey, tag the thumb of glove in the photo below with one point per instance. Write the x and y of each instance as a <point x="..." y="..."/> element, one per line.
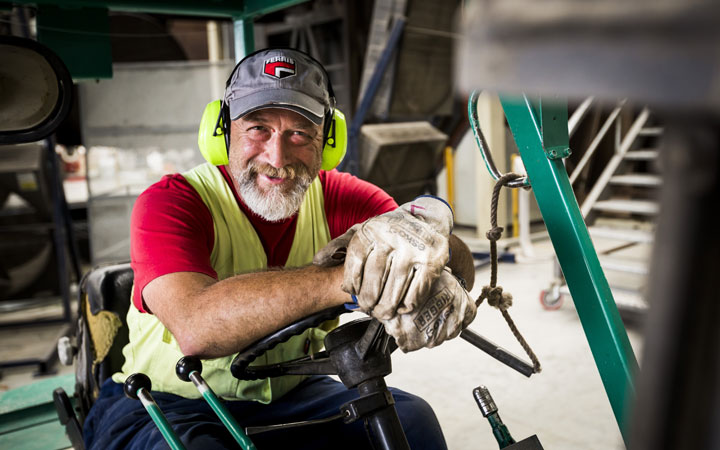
<point x="434" y="211"/>
<point x="333" y="254"/>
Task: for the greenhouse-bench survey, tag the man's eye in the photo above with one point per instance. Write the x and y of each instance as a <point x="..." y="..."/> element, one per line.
<point x="300" y="138"/>
<point x="257" y="128"/>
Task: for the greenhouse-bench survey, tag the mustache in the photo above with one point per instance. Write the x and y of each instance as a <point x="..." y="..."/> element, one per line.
<point x="291" y="171"/>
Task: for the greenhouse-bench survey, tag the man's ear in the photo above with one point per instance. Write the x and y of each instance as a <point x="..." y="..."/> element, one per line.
<point x="461" y="261"/>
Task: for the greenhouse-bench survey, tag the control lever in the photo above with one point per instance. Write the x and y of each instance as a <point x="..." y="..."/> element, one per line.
<point x="138" y="386"/>
<point x="497" y="352"/>
<point x="189" y="368"/>
<point x="490" y="411"/>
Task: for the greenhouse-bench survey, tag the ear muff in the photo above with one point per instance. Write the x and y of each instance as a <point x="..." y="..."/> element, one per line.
<point x="212" y="136"/>
<point x="335" y="141"/>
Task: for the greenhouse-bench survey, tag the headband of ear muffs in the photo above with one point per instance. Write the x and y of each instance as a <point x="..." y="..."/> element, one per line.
<point x="214" y="133"/>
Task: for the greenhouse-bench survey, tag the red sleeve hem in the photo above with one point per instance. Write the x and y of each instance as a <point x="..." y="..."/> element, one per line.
<point x="171" y="230"/>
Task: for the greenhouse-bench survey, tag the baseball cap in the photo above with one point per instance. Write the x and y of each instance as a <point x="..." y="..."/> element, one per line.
<point x="278" y="78"/>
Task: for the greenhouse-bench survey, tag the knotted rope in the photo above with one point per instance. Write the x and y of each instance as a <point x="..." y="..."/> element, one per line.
<point x="492" y="292"/>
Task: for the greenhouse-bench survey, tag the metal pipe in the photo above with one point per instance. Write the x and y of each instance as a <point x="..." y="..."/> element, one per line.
<point x="450" y="176"/>
<point x="159" y="418"/>
<point x="483" y="145"/>
<point x="223" y="414"/>
<point x="578" y="115"/>
<point x="387" y="432"/>
<point x="589" y="288"/>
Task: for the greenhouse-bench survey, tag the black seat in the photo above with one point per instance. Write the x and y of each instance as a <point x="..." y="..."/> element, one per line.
<point x="102" y="329"/>
<point x="101" y="335"/>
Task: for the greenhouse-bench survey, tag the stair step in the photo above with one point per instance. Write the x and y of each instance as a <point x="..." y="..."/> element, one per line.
<point x="636" y="179"/>
<point x="632" y="206"/>
<point x="623" y="265"/>
<point x="651" y="131"/>
<point x="619" y="234"/>
<point x="642" y="155"/>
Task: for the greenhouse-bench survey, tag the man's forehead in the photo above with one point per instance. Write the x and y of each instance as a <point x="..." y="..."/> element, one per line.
<point x="269" y="114"/>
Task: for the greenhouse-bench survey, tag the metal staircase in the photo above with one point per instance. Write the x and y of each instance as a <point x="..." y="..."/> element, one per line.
<point x="620" y="208"/>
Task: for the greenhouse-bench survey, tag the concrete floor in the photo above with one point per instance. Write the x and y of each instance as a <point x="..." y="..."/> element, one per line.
<point x="565" y="405"/>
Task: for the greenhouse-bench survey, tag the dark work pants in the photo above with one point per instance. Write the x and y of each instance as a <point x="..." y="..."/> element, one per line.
<point x="117" y="422"/>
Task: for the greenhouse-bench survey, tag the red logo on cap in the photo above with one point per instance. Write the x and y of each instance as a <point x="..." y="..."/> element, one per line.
<point x="280" y="67"/>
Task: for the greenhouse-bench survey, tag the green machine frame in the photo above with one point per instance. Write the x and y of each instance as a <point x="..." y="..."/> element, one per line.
<point x="79" y="30"/>
<point x="539" y="128"/>
<point x="541" y="134"/>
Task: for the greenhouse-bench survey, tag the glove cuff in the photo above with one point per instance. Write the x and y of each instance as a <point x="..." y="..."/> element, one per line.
<point x="438" y="198"/>
<point x="438" y="217"/>
<point x="352" y="306"/>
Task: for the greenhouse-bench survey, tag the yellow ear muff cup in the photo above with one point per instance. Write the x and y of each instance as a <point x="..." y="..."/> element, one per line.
<point x="211" y="141"/>
<point x="336" y="144"/>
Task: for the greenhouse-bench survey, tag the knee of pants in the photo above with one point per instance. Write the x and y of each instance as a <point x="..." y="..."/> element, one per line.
<point x="419" y="421"/>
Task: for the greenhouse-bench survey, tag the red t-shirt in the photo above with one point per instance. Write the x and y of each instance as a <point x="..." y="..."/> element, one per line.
<point x="171" y="229"/>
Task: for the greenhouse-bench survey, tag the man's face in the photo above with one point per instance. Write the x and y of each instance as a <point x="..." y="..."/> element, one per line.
<point x="274" y="156"/>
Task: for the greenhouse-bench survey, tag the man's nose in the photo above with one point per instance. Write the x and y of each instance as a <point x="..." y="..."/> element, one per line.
<point x="276" y="151"/>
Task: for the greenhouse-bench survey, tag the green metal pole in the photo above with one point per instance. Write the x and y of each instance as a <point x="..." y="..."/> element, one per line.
<point x="225" y="417"/>
<point x="588" y="286"/>
<point x="159" y="418"/>
<point x="244" y="37"/>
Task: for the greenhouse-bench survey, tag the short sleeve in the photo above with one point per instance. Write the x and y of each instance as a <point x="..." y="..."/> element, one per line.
<point x="171" y="230"/>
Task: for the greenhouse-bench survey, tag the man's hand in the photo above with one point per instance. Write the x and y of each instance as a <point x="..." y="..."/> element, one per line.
<point x="442" y="316"/>
<point x="393" y="259"/>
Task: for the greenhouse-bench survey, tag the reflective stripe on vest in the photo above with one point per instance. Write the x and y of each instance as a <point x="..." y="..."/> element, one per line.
<point x="237" y="249"/>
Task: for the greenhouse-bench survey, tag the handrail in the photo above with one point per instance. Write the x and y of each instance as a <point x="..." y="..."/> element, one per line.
<point x="483" y="146"/>
<point x="578" y="115"/>
<point x="614" y="162"/>
<point x="596" y="141"/>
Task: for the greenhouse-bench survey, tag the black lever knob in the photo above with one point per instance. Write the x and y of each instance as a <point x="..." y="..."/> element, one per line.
<point x="134" y="383"/>
<point x="187" y="365"/>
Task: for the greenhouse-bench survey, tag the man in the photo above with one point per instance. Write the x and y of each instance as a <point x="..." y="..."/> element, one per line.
<point x="221" y="258"/>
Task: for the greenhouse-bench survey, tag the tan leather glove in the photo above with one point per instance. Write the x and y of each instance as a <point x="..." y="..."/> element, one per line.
<point x="333" y="254"/>
<point x="393" y="259"/>
<point x="442" y="316"/>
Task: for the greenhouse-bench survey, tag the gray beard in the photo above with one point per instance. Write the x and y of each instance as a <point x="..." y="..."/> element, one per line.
<point x="273" y="205"/>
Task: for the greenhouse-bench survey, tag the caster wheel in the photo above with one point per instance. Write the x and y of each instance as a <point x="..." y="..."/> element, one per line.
<point x="551" y="299"/>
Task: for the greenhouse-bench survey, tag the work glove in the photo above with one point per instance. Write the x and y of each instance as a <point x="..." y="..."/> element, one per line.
<point x="391" y="260"/>
<point x="441" y="316"/>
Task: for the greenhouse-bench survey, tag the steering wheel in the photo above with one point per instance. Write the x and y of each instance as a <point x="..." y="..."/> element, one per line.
<point x="240" y="364"/>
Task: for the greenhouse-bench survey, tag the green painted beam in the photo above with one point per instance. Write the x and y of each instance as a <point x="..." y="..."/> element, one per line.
<point x="203" y="8"/>
<point x="80" y="37"/>
<point x="244" y="37"/>
<point x="255" y="8"/>
<point x="588" y="286"/>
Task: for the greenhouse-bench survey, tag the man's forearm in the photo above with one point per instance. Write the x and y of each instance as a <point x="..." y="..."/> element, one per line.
<point x="212" y="319"/>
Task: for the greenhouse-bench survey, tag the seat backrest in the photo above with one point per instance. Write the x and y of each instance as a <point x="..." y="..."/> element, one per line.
<point x="108" y="290"/>
<point x="102" y="328"/>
